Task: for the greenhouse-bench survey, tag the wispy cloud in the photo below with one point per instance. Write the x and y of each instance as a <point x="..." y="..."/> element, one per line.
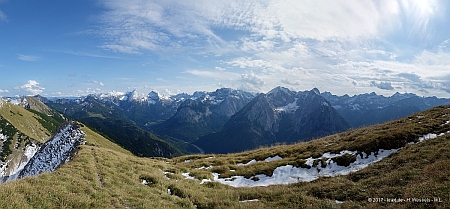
<point x="32" y="86"/>
<point x="3" y="91"/>
<point x="99" y="83"/>
<point x="88" y="54"/>
<point x="3" y="16"/>
<point x="217" y="75"/>
<point x="27" y="58"/>
<point x="302" y="44"/>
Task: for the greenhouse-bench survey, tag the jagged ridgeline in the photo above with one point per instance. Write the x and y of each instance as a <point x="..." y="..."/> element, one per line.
<point x="107" y="119"/>
<point x="227" y="120"/>
<point x="406" y="159"/>
<point x="23" y="131"/>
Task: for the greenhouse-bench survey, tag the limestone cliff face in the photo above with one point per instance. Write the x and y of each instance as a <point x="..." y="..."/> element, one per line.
<point x="280" y="116"/>
<point x="203" y="113"/>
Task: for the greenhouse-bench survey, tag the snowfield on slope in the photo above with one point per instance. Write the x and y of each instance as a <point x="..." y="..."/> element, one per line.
<point x="289" y="174"/>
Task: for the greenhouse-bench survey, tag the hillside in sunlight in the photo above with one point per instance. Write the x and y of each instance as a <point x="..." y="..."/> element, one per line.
<point x="405" y="160"/>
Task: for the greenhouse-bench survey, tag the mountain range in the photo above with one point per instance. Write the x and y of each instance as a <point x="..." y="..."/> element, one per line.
<point x="280" y="116"/>
<point x="158" y="125"/>
<point x="62" y="164"/>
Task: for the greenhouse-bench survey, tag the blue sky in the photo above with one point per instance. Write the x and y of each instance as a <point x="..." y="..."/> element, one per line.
<point x="78" y="47"/>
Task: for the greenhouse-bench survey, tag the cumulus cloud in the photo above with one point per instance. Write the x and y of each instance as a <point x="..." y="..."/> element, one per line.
<point x="32" y="86"/>
<point x="289" y="82"/>
<point x="382" y="85"/>
<point x="3" y="91"/>
<point x="410" y="76"/>
<point x="252" y="82"/>
<point x="322" y="44"/>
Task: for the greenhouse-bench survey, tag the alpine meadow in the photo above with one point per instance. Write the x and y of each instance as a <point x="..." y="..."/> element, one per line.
<point x="212" y="104"/>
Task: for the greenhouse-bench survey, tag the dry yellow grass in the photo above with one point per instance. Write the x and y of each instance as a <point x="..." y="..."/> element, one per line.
<point x="24" y="121"/>
<point x="106" y="176"/>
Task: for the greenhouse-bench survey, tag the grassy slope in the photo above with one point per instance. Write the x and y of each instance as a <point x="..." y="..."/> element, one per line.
<point x="105" y="176"/>
<point x="110" y="121"/>
<point x="25" y="122"/>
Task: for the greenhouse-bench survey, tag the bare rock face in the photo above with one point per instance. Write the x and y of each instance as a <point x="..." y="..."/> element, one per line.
<point x="280" y="116"/>
<point x="55" y="151"/>
<point x="203" y="113"/>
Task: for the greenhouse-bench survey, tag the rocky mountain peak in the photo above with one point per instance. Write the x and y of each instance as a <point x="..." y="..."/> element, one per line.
<point x="316" y="91"/>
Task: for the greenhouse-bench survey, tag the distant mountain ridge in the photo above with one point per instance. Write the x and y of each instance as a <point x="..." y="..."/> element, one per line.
<point x="280" y="116"/>
<point x="368" y="109"/>
<point x="203" y="113"/>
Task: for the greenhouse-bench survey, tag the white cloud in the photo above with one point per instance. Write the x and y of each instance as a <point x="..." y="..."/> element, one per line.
<point x="32" y="86"/>
<point x="332" y="45"/>
<point x="3" y="91"/>
<point x="99" y="83"/>
<point x="252" y="82"/>
<point x="289" y="82"/>
<point x="217" y="75"/>
<point x="89" y="91"/>
<point x="3" y="16"/>
<point x="382" y="85"/>
<point x="27" y="58"/>
<point x="220" y="69"/>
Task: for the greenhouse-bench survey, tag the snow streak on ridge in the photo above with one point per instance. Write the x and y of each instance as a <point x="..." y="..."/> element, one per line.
<point x="55" y="151"/>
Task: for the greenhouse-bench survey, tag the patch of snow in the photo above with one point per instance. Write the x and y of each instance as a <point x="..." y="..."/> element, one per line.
<point x="427" y="136"/>
<point x="169" y="192"/>
<point x="15" y="101"/>
<point x="249" y="163"/>
<point x="290" y="174"/>
<point x="165" y="174"/>
<point x="14" y="172"/>
<point x="187" y="161"/>
<point x="187" y="176"/>
<point x="355" y="106"/>
<point x="290" y="108"/>
<point x="244" y="201"/>
<point x="54" y="152"/>
<point x="205" y="180"/>
<point x="203" y="167"/>
<point x="144" y="182"/>
<point x="3" y="137"/>
<point x="339" y="202"/>
<point x="270" y="159"/>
